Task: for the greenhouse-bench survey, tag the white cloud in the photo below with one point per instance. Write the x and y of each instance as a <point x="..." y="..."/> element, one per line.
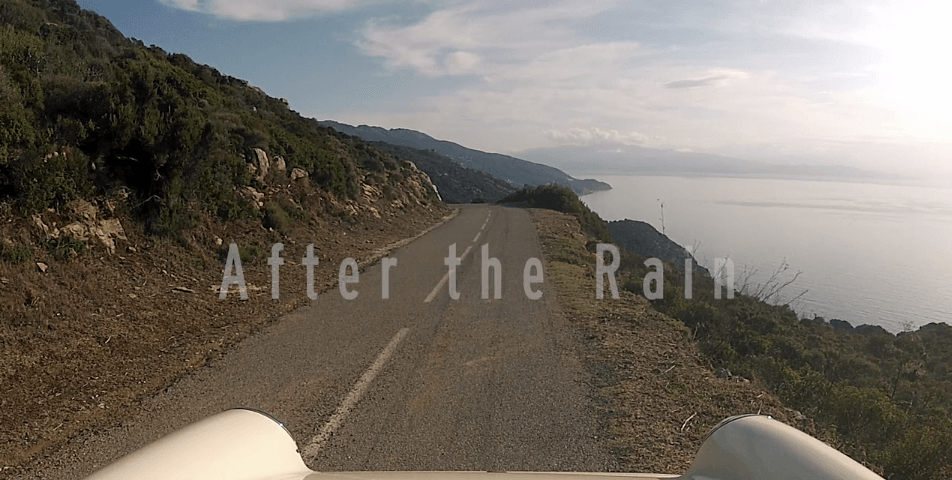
<point x="507" y="32"/>
<point x="270" y="11"/>
<point x="595" y="135"/>
<point x="461" y="62"/>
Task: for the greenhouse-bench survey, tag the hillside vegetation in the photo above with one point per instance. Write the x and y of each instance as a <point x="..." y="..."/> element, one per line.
<point x="85" y="111"/>
<point x="883" y="399"/>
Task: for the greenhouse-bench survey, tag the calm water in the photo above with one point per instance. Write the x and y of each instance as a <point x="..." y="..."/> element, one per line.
<point x="876" y="254"/>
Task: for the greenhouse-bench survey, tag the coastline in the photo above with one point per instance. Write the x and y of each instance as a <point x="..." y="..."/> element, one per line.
<point x="816" y="233"/>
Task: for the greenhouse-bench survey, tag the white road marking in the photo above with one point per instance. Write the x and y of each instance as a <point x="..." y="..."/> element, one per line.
<point x="446" y="276"/>
<point x="487" y="221"/>
<point x="475" y="239"/>
<point x="337" y="419"/>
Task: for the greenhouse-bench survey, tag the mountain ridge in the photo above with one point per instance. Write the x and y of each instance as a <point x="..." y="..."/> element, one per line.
<point x="514" y="170"/>
<point x="619" y="159"/>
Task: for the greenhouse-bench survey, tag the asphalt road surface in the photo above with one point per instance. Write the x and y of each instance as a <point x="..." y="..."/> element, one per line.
<point x="418" y="381"/>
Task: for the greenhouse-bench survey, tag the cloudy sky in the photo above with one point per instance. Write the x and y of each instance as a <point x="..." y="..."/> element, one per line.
<point x="862" y="83"/>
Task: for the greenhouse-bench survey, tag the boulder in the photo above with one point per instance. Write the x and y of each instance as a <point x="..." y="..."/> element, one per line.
<point x="260" y="161"/>
<point x="106" y="232"/>
<point x="278" y="163"/>
<point x="48" y="232"/>
<point x="298" y="173"/>
<point x="85" y="209"/>
<point x="256" y="197"/>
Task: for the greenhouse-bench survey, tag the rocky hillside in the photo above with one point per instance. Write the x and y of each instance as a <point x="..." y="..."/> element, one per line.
<point x="456" y="183"/>
<point x="516" y="171"/>
<point x="88" y="113"/>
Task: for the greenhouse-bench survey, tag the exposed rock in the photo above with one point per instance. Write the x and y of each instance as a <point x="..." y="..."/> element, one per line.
<point x="723" y="373"/>
<point x="85" y="209"/>
<point x="298" y="173"/>
<point x="48" y="232"/>
<point x="256" y="197"/>
<point x="42" y="267"/>
<point x="77" y="230"/>
<point x="259" y="159"/>
<point x="278" y="164"/>
<point x="371" y="192"/>
<point x="106" y="232"/>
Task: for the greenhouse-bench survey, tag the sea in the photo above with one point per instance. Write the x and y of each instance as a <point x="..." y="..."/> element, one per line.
<point x="865" y="253"/>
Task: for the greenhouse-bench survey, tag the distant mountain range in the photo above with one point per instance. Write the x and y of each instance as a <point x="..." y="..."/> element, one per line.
<point x="514" y="170"/>
<point x="635" y="160"/>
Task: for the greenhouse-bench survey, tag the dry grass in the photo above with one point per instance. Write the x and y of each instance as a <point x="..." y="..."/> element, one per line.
<point x="656" y="394"/>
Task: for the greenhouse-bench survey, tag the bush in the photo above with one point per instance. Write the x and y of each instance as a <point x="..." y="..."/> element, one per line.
<point x="66" y="247"/>
<point x="15" y="254"/>
<point x="275" y="217"/>
<point x="50" y="180"/>
<point x="562" y="199"/>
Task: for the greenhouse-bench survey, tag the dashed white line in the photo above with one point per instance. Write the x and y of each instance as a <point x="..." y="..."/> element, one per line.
<point x="337" y="419"/>
<point x="476" y="238"/>
<point x="446" y="276"/>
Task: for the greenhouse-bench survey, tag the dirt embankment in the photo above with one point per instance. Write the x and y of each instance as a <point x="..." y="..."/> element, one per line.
<point x="86" y="335"/>
<point x="657" y="395"/>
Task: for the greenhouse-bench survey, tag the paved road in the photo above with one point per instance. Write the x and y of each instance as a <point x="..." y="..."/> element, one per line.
<point x="418" y="381"/>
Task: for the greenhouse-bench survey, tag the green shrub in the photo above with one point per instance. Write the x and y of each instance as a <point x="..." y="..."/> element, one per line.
<point x="66" y="247"/>
<point x="45" y="181"/>
<point x="251" y="253"/>
<point x="562" y="199"/>
<point x="15" y="254"/>
<point x="276" y="217"/>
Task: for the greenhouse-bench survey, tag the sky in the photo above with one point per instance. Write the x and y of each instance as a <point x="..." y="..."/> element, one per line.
<point x="860" y="83"/>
